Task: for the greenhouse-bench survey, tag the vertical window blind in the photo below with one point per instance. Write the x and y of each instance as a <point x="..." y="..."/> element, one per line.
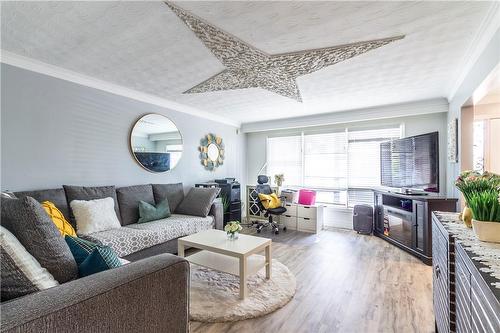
<point x="340" y="165"/>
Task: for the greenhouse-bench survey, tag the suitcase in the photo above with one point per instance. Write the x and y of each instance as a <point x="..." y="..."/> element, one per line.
<point x="362" y="219"/>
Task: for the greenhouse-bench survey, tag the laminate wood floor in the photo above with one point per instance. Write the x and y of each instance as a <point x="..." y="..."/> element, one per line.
<point x="345" y="283"/>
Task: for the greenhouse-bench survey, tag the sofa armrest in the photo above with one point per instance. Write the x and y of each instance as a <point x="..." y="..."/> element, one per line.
<point x="217" y="211"/>
<point x="150" y="295"/>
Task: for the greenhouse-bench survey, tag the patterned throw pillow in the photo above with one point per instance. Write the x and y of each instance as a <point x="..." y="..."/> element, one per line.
<point x="90" y="257"/>
<point x="21" y="273"/>
<point x="101" y="259"/>
<point x="57" y="217"/>
<point x="148" y="212"/>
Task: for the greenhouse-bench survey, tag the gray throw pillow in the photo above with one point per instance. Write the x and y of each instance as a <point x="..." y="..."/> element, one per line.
<point x="34" y="229"/>
<point x="174" y="193"/>
<point x="128" y="200"/>
<point x="89" y="193"/>
<point x="198" y="201"/>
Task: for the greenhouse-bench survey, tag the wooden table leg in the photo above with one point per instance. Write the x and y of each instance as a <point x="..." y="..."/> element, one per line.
<point x="180" y="249"/>
<point x="269" y="260"/>
<point x="243" y="277"/>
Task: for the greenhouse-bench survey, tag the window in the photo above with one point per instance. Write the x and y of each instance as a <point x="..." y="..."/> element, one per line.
<point x="340" y="165"/>
<point x="325" y="160"/>
<point x="284" y="155"/>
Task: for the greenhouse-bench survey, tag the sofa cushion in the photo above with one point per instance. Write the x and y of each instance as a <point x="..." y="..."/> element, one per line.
<point x="21" y="272"/>
<point x="125" y="240"/>
<point x="177" y="225"/>
<point x="173" y="192"/>
<point x="88" y="193"/>
<point x="29" y="222"/>
<point x="198" y="201"/>
<point x="56" y="196"/>
<point x="128" y="200"/>
<point x="139" y="236"/>
<point x="94" y="215"/>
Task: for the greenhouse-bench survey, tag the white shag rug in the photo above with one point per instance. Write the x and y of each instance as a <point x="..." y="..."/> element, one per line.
<point x="215" y="295"/>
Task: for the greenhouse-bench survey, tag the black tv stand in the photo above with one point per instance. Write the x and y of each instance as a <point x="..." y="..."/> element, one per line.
<point x="405" y="220"/>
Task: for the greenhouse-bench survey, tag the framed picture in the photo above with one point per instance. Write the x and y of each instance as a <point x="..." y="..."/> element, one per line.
<point x="453" y="141"/>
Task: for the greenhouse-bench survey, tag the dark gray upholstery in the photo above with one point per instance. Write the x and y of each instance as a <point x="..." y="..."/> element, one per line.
<point x="151" y="295"/>
<point x="28" y="221"/>
<point x="198" y="201"/>
<point x="89" y="193"/>
<point x="128" y="200"/>
<point x="173" y="192"/>
<point x="217" y="211"/>
<point x="56" y="196"/>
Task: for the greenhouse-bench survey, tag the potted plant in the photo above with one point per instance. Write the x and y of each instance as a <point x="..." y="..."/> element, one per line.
<point x="233" y="229"/>
<point x="482" y="195"/>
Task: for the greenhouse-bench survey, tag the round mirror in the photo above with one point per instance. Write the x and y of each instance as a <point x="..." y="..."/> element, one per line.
<point x="156" y="143"/>
<point x="213" y="152"/>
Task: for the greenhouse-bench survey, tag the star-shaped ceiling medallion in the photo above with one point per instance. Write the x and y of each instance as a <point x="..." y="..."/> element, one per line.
<point x="249" y="67"/>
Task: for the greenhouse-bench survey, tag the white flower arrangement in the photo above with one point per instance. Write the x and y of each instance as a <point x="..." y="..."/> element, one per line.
<point x="232" y="227"/>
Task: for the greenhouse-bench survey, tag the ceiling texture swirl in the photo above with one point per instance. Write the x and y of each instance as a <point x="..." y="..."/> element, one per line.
<point x="249" y="61"/>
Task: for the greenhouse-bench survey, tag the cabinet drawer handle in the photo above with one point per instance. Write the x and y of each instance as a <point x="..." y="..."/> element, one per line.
<point x="306" y="218"/>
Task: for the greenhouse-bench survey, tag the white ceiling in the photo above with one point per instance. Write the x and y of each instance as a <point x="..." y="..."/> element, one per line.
<point x="144" y="46"/>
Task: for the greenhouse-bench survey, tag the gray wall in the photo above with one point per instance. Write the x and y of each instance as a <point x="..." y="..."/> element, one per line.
<point x="414" y="125"/>
<point x="55" y="132"/>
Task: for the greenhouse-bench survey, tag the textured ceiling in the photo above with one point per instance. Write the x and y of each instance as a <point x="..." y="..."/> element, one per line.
<point x="145" y="46"/>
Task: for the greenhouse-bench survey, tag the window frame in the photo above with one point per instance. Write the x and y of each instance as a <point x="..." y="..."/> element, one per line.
<point x="345" y="129"/>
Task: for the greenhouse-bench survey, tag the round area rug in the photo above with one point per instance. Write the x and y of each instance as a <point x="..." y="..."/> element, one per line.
<point x="215" y="295"/>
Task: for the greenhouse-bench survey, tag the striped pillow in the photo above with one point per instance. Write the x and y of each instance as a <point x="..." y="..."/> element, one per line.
<point x="20" y="272"/>
<point x="91" y="258"/>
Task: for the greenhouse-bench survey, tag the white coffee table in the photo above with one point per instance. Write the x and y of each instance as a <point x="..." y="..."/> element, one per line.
<point x="235" y="257"/>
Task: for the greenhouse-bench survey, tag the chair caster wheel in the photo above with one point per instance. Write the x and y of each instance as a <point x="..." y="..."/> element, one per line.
<point x="276" y="232"/>
<point x="284" y="228"/>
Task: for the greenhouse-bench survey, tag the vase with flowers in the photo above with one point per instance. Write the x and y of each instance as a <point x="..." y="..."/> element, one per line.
<point x="233" y="229"/>
<point x="481" y="192"/>
<point x="278" y="180"/>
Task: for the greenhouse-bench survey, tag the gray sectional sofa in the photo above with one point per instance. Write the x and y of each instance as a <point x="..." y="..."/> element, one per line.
<point x="150" y="294"/>
<point x="135" y="241"/>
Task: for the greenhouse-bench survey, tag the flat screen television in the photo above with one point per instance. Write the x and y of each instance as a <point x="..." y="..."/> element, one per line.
<point x="411" y="163"/>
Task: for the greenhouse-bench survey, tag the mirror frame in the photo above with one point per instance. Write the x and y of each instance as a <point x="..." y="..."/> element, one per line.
<point x="132" y="149"/>
<point x="205" y="142"/>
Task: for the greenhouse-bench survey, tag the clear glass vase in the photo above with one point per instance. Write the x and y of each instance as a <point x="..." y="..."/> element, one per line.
<point x="233" y="235"/>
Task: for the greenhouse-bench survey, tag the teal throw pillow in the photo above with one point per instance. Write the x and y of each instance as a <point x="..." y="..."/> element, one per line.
<point x="80" y="248"/>
<point x="101" y="259"/>
<point x="148" y="212"/>
<point x="90" y="257"/>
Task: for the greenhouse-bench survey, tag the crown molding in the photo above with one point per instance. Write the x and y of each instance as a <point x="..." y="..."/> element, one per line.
<point x="37" y="66"/>
<point x="489" y="26"/>
<point x="436" y="105"/>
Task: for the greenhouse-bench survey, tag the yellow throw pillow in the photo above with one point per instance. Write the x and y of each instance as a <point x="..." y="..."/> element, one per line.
<point x="270" y="201"/>
<point x="57" y="217"/>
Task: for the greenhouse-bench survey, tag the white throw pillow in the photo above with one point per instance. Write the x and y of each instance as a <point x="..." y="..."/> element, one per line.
<point x="94" y="215"/>
<point x="21" y="272"/>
